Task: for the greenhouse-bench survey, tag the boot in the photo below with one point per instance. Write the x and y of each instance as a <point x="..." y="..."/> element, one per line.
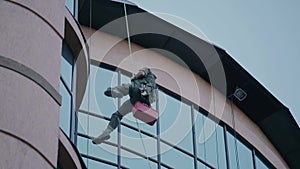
<point x="104" y="136"/>
<point x="113" y="93"/>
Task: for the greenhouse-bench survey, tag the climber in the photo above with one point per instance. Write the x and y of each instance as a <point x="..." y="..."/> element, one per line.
<point x="142" y="89"/>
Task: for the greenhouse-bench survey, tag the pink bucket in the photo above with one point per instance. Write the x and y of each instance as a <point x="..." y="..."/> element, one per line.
<point x="144" y="113"/>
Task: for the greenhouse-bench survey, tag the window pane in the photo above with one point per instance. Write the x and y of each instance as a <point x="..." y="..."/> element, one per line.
<point x="215" y="148"/>
<point x="131" y="139"/>
<point x="82" y="144"/>
<point x="102" y="151"/>
<point x="210" y="141"/>
<point x="199" y="123"/>
<point x="82" y="123"/>
<point x="219" y="139"/>
<point x="94" y="99"/>
<point x="242" y="158"/>
<point x="135" y="161"/>
<point x="97" y="125"/>
<point x="175" y="122"/>
<point x="65" y="110"/>
<point x="175" y="158"/>
<point x="67" y="65"/>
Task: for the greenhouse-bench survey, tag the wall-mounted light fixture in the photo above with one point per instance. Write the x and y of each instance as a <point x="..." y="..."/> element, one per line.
<point x="240" y="94"/>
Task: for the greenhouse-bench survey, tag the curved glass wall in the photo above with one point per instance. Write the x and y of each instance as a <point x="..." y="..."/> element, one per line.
<point x="66" y="90"/>
<point x="173" y="142"/>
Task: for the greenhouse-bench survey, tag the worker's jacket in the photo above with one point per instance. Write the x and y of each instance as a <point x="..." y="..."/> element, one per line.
<point x="146" y="85"/>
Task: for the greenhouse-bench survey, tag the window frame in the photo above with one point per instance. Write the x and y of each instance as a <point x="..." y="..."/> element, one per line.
<point x="71" y="91"/>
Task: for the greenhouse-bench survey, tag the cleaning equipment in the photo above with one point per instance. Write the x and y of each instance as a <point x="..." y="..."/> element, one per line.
<point x="144" y="113"/>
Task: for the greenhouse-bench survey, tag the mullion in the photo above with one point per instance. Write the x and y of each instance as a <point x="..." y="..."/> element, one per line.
<point x="66" y="86"/>
<point x="158" y="132"/>
<point x="194" y="137"/>
<point x="119" y="127"/>
<point x="253" y="157"/>
<point x="226" y="147"/>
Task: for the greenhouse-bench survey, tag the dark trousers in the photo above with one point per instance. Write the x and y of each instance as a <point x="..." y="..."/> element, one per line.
<point x="125" y="108"/>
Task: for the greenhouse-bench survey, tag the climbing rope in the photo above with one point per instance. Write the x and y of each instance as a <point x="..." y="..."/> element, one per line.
<point x="89" y="86"/>
<point x="130" y="55"/>
<point x="128" y="33"/>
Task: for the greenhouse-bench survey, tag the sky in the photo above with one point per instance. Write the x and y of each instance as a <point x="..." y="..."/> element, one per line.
<point x="262" y="36"/>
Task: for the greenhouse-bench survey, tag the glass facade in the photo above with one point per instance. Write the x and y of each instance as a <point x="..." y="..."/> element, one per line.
<point x="66" y="90"/>
<point x="183" y="137"/>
